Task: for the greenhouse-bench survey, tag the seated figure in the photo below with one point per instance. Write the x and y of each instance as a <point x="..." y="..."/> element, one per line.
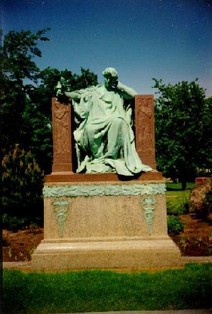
<point x="104" y="138"/>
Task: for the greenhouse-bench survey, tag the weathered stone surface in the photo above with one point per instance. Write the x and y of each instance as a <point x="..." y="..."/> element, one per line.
<point x="115" y="225"/>
<point x="123" y="254"/>
<point x="145" y="129"/>
<point x="68" y="176"/>
<point x="62" y="139"/>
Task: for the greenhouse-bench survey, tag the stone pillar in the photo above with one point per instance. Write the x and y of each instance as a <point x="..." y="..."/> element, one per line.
<point x="145" y="129"/>
<point x="62" y="137"/>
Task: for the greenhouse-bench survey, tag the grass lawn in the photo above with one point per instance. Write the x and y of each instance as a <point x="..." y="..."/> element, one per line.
<point x="178" y="195"/>
<point x="176" y="198"/>
<point x="177" y="186"/>
<point x="97" y="291"/>
<point x="174" y="193"/>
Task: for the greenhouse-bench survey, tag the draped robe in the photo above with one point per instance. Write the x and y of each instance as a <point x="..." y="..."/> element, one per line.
<point x="103" y="135"/>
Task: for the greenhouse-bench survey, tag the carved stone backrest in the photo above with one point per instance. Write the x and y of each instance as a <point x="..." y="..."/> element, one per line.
<point x="63" y="140"/>
<point x="145" y="129"/>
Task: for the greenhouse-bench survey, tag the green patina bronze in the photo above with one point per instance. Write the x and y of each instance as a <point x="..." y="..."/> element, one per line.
<point x="148" y="205"/>
<point x="103" y="189"/>
<point x="61" y="207"/>
<point x="103" y="134"/>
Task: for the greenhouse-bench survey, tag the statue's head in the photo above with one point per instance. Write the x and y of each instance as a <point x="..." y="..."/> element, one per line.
<point x="111" y="77"/>
<point x="110" y="72"/>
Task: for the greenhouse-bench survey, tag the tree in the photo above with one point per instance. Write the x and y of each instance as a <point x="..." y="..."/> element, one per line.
<point x="206" y="163"/>
<point x="182" y="128"/>
<point x="25" y="95"/>
<point x="18" y="74"/>
<point x="22" y="181"/>
<point x="25" y="115"/>
<point x="38" y="114"/>
<point x="49" y="77"/>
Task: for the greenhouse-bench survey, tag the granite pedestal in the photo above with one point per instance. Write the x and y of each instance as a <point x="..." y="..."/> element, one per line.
<point x="105" y="224"/>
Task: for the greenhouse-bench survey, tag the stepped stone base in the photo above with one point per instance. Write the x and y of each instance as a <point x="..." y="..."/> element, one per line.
<point x="105" y="225"/>
<point x="125" y="254"/>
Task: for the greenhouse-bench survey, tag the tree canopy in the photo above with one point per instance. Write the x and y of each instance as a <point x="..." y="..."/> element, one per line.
<point x="18" y="72"/>
<point x="183" y="114"/>
<point x="183" y="130"/>
<point x="26" y="92"/>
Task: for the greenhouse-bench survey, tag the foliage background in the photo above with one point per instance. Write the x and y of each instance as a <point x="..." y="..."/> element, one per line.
<point x="25" y="127"/>
<point x="182" y="114"/>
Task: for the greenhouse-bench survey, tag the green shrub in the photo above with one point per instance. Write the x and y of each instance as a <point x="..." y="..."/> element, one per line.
<point x="203" y="210"/>
<point x="208" y="201"/>
<point x="22" y="182"/>
<point x="201" y="199"/>
<point x="178" y="208"/>
<point x="175" y="225"/>
<point x="15" y="223"/>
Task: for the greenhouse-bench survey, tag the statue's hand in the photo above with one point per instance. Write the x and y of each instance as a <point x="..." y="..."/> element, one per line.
<point x="60" y="92"/>
<point x="62" y="87"/>
<point x="58" y="89"/>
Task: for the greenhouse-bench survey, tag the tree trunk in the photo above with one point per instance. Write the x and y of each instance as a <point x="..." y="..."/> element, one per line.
<point x="183" y="184"/>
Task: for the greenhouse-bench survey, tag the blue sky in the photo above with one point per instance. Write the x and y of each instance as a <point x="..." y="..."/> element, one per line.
<point x="142" y="39"/>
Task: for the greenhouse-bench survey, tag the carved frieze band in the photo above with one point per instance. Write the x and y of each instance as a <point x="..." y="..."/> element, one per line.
<point x="103" y="189"/>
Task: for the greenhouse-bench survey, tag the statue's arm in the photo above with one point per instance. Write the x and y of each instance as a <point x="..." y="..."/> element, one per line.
<point x="128" y="92"/>
<point x="75" y="95"/>
<point x="80" y="102"/>
<point x="62" y="87"/>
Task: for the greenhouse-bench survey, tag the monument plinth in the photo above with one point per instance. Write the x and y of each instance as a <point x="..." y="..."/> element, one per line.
<point x="104" y="220"/>
<point x="105" y="225"/>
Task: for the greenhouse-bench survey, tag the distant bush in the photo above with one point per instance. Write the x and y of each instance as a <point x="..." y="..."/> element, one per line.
<point x="208" y="201"/>
<point x="175" y="208"/>
<point x="201" y="199"/>
<point x="175" y="225"/>
<point x="15" y="223"/>
<point x="22" y="182"/>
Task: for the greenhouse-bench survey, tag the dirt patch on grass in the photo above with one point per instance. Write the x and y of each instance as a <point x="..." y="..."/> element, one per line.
<point x="195" y="240"/>
<point x="19" y="246"/>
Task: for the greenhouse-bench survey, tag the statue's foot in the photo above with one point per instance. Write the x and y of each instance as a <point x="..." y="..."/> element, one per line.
<point x="146" y="168"/>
